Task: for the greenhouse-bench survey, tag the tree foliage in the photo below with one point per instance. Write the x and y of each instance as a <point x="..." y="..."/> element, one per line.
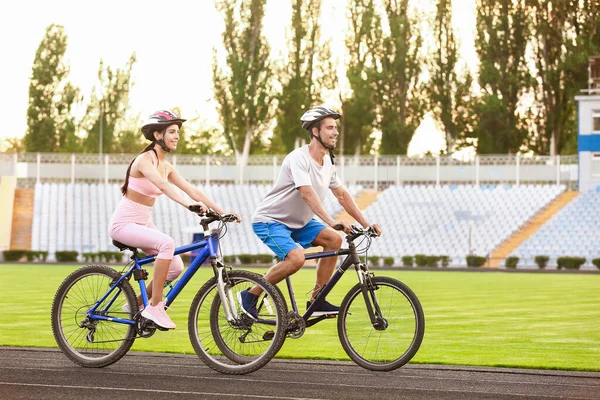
<point x="449" y="93"/>
<point x="565" y="34"/>
<point x="397" y="81"/>
<point x="502" y="35"/>
<point x="50" y="125"/>
<point x="359" y="107"/>
<point x="243" y="89"/>
<point x="307" y="71"/>
<point x="107" y="107"/>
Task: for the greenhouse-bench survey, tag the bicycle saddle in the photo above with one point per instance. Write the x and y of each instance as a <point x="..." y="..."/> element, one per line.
<point x="122" y="246"/>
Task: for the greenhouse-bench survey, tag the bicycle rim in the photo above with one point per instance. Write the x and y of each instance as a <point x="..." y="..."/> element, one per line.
<point x="92" y="343"/>
<point x="382" y="349"/>
<point x="243" y="345"/>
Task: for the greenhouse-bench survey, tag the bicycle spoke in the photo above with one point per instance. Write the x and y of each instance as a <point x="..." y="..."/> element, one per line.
<point x="395" y="338"/>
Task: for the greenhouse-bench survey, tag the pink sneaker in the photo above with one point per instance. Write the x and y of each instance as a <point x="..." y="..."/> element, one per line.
<point x="158" y="315"/>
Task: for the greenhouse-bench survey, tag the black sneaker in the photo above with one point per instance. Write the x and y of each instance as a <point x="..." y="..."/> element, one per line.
<point x="248" y="303"/>
<point x="325" y="308"/>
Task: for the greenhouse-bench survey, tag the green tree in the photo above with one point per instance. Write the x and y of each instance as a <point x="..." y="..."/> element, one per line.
<point x="50" y="125"/>
<point x="400" y="91"/>
<point x="358" y="108"/>
<point x="107" y="107"/>
<point x="243" y="89"/>
<point x="565" y="34"/>
<point x="449" y="94"/>
<point x="503" y="31"/>
<point x="307" y="71"/>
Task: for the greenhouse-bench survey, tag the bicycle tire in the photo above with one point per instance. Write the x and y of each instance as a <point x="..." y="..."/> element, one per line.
<point x="98" y="343"/>
<point x="244" y="345"/>
<point x="385" y="349"/>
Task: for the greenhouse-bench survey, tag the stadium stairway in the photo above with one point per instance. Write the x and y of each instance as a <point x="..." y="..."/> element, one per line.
<point x="531" y="227"/>
<point x="364" y="200"/>
<point x="8" y="185"/>
<point x="22" y="219"/>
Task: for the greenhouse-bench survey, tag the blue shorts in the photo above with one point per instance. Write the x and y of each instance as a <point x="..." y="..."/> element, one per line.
<point x="281" y="239"/>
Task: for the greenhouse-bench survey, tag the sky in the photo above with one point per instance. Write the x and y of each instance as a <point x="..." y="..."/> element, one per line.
<point x="173" y="42"/>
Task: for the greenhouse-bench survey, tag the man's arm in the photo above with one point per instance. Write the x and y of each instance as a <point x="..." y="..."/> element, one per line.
<point x="314" y="203"/>
<point x="346" y="201"/>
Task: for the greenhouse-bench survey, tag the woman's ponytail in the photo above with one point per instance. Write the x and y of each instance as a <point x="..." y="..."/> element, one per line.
<point x="126" y="184"/>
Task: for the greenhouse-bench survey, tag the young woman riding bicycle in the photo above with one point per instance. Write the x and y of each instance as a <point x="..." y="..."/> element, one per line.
<point x="149" y="175"/>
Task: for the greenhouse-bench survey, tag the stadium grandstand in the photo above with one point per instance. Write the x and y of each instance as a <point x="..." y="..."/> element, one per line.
<point x="492" y="206"/>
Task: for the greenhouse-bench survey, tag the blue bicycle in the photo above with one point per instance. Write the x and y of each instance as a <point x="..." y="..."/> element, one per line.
<point x="93" y="330"/>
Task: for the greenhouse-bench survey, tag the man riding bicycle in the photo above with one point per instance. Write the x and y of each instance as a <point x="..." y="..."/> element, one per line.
<point x="285" y="217"/>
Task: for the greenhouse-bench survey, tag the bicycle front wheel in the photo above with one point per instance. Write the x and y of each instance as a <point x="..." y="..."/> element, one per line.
<point x="240" y="345"/>
<point x="91" y="342"/>
<point x="394" y="337"/>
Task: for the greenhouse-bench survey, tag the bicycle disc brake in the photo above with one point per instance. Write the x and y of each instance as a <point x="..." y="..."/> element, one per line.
<point x="296" y="325"/>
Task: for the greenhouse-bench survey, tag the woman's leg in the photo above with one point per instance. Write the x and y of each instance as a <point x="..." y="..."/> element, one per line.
<point x="152" y="242"/>
<point x="175" y="269"/>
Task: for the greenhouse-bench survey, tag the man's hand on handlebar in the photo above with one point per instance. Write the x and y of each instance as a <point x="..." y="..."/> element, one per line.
<point x="371" y="230"/>
<point x="376" y="228"/>
<point x="342" y="226"/>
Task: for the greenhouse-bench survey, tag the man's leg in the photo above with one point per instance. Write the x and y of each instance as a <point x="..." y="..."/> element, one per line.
<point x="278" y="238"/>
<point x="331" y="241"/>
<point x="278" y="272"/>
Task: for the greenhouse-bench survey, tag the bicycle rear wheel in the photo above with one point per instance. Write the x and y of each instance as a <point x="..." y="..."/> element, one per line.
<point x="394" y="338"/>
<point x="242" y="345"/>
<point x="89" y="342"/>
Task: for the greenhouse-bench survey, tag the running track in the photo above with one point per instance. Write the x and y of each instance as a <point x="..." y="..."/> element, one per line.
<point x="47" y="374"/>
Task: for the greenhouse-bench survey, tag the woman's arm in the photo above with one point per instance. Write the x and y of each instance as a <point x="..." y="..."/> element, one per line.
<point x="145" y="166"/>
<point x="176" y="179"/>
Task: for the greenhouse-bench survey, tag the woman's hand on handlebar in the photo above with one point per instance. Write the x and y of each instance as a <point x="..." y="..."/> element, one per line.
<point x="198" y="207"/>
<point x="237" y="216"/>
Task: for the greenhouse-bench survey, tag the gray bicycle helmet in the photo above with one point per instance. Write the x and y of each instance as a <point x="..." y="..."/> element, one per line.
<point x="316" y="114"/>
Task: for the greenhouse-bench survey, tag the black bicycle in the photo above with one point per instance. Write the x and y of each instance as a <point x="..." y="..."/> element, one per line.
<point x="380" y="322"/>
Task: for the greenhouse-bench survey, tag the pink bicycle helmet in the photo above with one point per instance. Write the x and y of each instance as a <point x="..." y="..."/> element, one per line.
<point x="160" y="120"/>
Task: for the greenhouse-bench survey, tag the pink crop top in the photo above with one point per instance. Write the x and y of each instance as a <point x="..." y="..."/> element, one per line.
<point x="143" y="185"/>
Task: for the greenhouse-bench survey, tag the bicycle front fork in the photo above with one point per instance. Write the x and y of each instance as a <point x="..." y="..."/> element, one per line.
<point x="368" y="289"/>
<point x="226" y="295"/>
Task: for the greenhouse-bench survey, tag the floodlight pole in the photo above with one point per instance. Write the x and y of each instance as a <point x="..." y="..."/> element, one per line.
<point x="100" y="134"/>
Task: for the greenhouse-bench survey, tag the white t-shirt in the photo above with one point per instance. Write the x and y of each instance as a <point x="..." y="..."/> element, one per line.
<point x="284" y="203"/>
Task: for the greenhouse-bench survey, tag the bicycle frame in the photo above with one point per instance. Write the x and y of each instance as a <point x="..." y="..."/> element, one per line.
<point x="208" y="247"/>
<point x="352" y="260"/>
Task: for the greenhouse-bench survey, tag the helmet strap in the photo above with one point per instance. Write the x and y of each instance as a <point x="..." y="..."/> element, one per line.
<point x="163" y="146"/>
<point x="330" y="148"/>
<point x="161" y="142"/>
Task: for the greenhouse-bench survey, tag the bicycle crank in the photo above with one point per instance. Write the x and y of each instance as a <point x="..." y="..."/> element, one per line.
<point x="296" y="325"/>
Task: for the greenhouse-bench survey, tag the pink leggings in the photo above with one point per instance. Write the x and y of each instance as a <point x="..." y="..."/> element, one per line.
<point x="131" y="224"/>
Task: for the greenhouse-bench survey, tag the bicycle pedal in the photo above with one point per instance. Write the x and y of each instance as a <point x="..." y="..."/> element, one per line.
<point x="268" y="335"/>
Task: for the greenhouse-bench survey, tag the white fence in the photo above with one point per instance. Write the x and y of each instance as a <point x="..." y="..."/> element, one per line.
<point x="371" y="172"/>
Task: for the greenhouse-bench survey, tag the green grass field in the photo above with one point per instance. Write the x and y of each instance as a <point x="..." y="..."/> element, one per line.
<point x="531" y="320"/>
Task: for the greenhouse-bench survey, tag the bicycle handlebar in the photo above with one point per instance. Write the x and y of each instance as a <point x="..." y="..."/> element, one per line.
<point x="211" y="215"/>
<point x="357" y="231"/>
